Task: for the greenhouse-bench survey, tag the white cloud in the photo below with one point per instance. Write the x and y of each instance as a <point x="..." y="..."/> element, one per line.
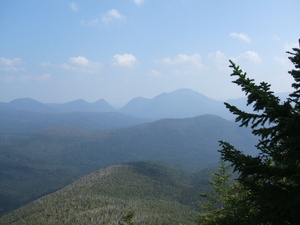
<point x="194" y="59"/>
<point x="74" y="6"/>
<point x="156" y="73"/>
<point x="139" y="2"/>
<point x="220" y="59"/>
<point x="112" y="15"/>
<point x="90" y="22"/>
<point x="80" y="61"/>
<point x="250" y="56"/>
<point x="125" y="60"/>
<point x="81" y="64"/>
<point x="77" y="64"/>
<point x="240" y="36"/>
<point x="108" y="17"/>
<point x="11" y="65"/>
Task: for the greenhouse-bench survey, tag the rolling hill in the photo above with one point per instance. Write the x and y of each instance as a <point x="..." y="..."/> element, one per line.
<point x="37" y="163"/>
<point x="157" y="193"/>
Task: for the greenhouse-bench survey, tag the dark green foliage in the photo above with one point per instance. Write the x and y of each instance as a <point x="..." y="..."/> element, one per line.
<point x="127" y="219"/>
<point x="272" y="178"/>
<point x="212" y="208"/>
<point x="226" y="203"/>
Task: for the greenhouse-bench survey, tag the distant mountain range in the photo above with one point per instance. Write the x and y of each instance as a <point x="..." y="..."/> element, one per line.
<point x="182" y="103"/>
<point x="31" y="105"/>
<point x="25" y="114"/>
<point x="82" y="106"/>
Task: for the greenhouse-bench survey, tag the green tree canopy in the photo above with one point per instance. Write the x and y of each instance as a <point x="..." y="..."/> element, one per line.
<point x="272" y="178"/>
<point x="224" y="204"/>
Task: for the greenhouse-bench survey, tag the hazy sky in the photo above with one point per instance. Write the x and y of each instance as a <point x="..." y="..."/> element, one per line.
<point x="59" y="51"/>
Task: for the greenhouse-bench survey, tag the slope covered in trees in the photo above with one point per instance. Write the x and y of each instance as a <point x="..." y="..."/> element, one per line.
<point x="157" y="193"/>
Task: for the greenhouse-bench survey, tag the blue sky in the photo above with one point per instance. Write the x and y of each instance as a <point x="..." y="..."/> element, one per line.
<point x="59" y="51"/>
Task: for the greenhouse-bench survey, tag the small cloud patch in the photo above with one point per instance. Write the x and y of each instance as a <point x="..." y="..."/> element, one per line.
<point x="241" y="36"/>
<point x="125" y="60"/>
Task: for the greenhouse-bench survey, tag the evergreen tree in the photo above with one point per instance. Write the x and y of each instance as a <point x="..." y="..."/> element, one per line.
<point x="222" y="204"/>
<point x="272" y="178"/>
<point x="127" y="219"/>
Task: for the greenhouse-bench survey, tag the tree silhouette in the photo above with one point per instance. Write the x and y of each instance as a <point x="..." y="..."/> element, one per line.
<point x="272" y="178"/>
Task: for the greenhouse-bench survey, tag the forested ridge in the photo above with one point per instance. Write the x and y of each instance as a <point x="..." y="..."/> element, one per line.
<point x="157" y="193"/>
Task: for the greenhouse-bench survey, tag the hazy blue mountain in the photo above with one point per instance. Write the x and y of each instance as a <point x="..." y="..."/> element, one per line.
<point x="187" y="141"/>
<point x="50" y="159"/>
<point x="81" y="105"/>
<point x="24" y="121"/>
<point x="182" y="103"/>
<point x="25" y="104"/>
<point x="73" y="106"/>
<point x="103" y="105"/>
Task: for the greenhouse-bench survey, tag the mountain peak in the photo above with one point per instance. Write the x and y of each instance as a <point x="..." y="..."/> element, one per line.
<point x="77" y="101"/>
<point x="24" y="100"/>
<point x="181" y="103"/>
<point x="27" y="104"/>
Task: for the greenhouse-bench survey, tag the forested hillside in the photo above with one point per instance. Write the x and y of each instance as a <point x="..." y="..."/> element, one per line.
<point x="157" y="193"/>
